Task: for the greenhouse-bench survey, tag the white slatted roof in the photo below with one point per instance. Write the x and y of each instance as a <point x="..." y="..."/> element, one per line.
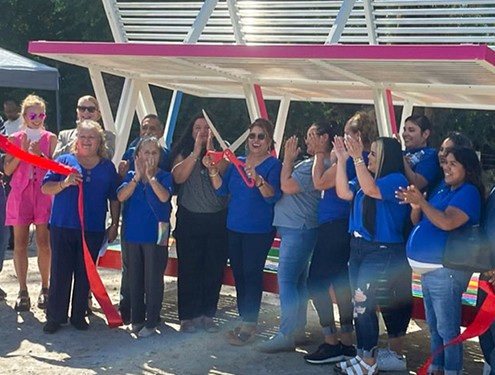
<point x="461" y="76"/>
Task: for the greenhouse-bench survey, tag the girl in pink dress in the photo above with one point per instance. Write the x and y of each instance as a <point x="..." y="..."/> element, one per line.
<point x="26" y="204"/>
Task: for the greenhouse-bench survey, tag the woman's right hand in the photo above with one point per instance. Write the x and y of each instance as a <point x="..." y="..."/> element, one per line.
<point x="339" y="149"/>
<point x="140" y="168"/>
<point x="73" y="179"/>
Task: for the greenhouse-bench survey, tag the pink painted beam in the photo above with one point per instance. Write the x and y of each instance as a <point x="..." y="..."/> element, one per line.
<point x="390" y="103"/>
<point x="358" y="52"/>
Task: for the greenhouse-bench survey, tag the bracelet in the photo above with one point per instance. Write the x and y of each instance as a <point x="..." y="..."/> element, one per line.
<point x="213" y="175"/>
<point x="194" y="157"/>
<point x="152" y="179"/>
<point x="358" y="160"/>
<point x="261" y="183"/>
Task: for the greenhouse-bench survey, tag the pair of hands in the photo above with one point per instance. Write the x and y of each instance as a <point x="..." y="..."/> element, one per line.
<point x="345" y="147"/>
<point x="144" y="168"/>
<point x="31" y="147"/>
<point x="410" y="195"/>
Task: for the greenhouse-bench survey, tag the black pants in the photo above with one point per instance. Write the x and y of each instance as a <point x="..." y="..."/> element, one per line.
<point x="397" y="310"/>
<point x="329" y="267"/>
<point x="125" y="289"/>
<point x="201" y="240"/>
<point x="68" y="260"/>
<point x="147" y="263"/>
<point x="247" y="253"/>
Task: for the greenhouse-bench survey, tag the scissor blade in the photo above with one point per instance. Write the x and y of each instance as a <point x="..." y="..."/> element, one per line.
<point x="239" y="141"/>
<point x="215" y="131"/>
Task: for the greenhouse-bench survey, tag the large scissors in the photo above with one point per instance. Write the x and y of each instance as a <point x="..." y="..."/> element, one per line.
<point x="228" y="151"/>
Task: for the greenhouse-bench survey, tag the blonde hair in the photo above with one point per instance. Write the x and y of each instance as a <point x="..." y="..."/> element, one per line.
<point x="30" y="101"/>
<point x="365" y="123"/>
<point x="93" y="125"/>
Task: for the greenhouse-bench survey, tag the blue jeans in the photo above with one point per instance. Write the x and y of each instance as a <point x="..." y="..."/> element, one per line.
<point x="247" y="253"/>
<point x="371" y="265"/>
<point x="442" y="296"/>
<point x="4" y="230"/>
<point x="296" y="248"/>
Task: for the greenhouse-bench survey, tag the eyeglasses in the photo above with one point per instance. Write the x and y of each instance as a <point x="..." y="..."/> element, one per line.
<point x="82" y="108"/>
<point x="41" y="116"/>
<point x="260" y="136"/>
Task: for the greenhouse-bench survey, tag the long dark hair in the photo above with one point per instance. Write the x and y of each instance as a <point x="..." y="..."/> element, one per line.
<point x="459" y="139"/>
<point x="185" y="145"/>
<point x="467" y="157"/>
<point x="389" y="160"/>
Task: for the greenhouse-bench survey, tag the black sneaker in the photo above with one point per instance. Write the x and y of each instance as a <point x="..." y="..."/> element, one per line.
<point x="80" y="325"/>
<point x="348" y="351"/>
<point x="51" y="327"/>
<point x="325" y="353"/>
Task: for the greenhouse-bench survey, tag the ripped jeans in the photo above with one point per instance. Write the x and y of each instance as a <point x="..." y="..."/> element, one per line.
<point x="371" y="270"/>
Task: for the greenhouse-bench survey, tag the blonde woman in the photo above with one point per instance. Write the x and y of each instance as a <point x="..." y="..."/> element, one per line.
<point x="100" y="181"/>
<point x="26" y="204"/>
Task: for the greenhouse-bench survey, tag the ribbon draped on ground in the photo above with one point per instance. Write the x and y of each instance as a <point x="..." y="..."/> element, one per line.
<point x="483" y="321"/>
<point x="95" y="283"/>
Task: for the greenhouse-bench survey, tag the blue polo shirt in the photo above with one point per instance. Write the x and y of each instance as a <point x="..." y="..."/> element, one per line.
<point x="331" y="207"/>
<point x="299" y="210"/>
<point x="249" y="211"/>
<point x="427" y="242"/>
<point x="99" y="185"/>
<point x="427" y="164"/>
<point x="390" y="215"/>
<point x="163" y="164"/>
<point x="144" y="210"/>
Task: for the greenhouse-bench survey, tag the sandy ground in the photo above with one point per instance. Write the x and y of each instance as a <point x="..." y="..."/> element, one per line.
<point x="24" y="349"/>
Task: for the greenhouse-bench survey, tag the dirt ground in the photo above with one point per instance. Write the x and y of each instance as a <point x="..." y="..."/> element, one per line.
<point x="25" y="349"/>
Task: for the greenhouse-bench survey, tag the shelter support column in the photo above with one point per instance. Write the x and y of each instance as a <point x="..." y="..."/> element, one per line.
<point x="145" y="104"/>
<point x="125" y="115"/>
<point x="407" y="111"/>
<point x="173" y="113"/>
<point x="102" y="97"/>
<point x="252" y="102"/>
<point x="382" y="112"/>
<point x="283" y="111"/>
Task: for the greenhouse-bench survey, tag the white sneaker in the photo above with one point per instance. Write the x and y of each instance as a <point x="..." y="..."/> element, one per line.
<point x="146" y="332"/>
<point x="388" y="360"/>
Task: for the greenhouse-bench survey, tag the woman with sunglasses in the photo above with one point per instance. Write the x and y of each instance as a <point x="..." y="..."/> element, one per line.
<point x="249" y="222"/>
<point x="26" y="204"/>
<point x="87" y="109"/>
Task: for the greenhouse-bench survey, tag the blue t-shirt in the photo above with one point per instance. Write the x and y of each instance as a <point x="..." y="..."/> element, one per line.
<point x="299" y="210"/>
<point x="427" y="242"/>
<point x="390" y="215"/>
<point x="99" y="185"/>
<point x="163" y="164"/>
<point x="424" y="161"/>
<point x="144" y="210"/>
<point x="331" y="207"/>
<point x="249" y="211"/>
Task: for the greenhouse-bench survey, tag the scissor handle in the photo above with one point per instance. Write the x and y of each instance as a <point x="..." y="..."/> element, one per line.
<point x="240" y="167"/>
<point x="217" y="156"/>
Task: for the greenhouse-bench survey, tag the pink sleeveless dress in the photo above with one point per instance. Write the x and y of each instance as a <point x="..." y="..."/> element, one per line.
<point x="26" y="204"/>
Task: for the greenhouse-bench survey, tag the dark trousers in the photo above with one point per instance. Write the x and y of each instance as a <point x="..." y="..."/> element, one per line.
<point x="201" y="241"/>
<point x="370" y="266"/>
<point x="487" y="339"/>
<point x="329" y="266"/>
<point x="125" y="289"/>
<point x="68" y="261"/>
<point x="147" y="263"/>
<point x="398" y="309"/>
<point x="247" y="253"/>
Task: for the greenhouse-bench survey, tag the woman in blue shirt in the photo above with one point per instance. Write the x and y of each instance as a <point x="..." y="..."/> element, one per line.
<point x="375" y="224"/>
<point x="331" y="255"/>
<point x="455" y="206"/>
<point x="147" y="191"/>
<point x="100" y="181"/>
<point x="249" y="221"/>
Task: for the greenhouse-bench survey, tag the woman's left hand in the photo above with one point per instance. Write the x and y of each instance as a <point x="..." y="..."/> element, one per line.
<point x="34" y="148"/>
<point x="112" y="232"/>
<point x="354" y="147"/>
<point x="251" y="173"/>
<point x="410" y="195"/>
<point x="150" y="169"/>
<point x="291" y="150"/>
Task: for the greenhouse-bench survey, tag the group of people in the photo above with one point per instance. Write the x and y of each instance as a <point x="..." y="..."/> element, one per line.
<point x="358" y="215"/>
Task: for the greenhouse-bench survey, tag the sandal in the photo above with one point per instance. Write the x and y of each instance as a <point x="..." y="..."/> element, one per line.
<point x="23" y="302"/>
<point x="233" y="333"/>
<point x="360" y="368"/>
<point x="346" y="364"/>
<point x="243" y="338"/>
<point x="43" y="299"/>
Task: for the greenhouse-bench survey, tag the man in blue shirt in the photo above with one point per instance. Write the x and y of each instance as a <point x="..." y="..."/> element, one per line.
<point x="151" y="126"/>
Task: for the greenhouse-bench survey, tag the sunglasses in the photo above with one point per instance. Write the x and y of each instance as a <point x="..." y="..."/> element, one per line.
<point x="260" y="136"/>
<point x="41" y="116"/>
<point x="82" y="108"/>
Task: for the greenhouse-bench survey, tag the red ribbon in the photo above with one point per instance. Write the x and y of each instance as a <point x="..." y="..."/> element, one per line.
<point x="97" y="287"/>
<point x="480" y="325"/>
<point x="229" y="155"/>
